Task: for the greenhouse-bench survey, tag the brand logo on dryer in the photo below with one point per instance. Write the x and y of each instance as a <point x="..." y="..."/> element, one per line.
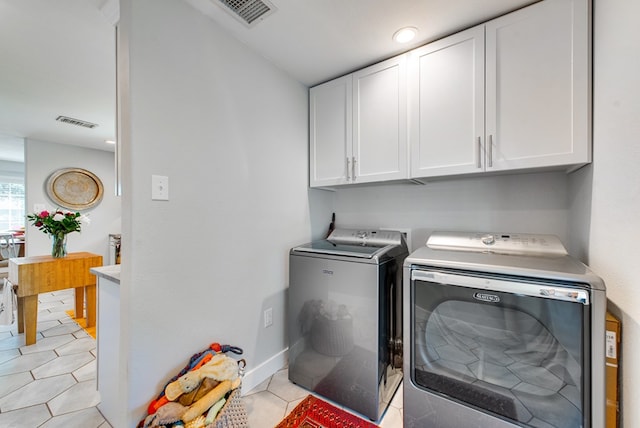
<point x="327" y="271"/>
<point x="484" y="297"/>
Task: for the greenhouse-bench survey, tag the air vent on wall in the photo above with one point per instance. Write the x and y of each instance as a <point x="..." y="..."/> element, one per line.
<point x="249" y="12"/>
<point x="77" y="122"/>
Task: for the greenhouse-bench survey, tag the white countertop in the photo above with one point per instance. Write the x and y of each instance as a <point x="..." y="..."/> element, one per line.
<point x="112" y="273"/>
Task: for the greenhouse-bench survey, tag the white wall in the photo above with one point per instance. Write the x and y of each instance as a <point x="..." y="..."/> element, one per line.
<point x="525" y="203"/>
<point x="230" y="131"/>
<point x="44" y="158"/>
<point x="614" y="252"/>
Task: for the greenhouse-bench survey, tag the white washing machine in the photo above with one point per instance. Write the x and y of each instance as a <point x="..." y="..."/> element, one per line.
<point x="502" y="330"/>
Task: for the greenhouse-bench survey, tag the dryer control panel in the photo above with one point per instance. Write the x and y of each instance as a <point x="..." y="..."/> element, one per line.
<point x="498" y="242"/>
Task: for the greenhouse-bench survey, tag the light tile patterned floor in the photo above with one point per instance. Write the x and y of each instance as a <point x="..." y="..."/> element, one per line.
<point x="52" y="383"/>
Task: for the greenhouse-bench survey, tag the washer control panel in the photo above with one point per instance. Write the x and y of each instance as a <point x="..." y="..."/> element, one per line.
<point x="504" y="243"/>
<point x="366" y="237"/>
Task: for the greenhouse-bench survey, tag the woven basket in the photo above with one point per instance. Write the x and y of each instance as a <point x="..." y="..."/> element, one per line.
<point x="233" y="414"/>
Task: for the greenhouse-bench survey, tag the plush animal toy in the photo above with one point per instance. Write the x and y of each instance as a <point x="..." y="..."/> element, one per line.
<point x="200" y="386"/>
<point x="167" y="414"/>
<point x="205" y="386"/>
<point x="220" y="368"/>
<point x="173" y="412"/>
<point x="205" y="403"/>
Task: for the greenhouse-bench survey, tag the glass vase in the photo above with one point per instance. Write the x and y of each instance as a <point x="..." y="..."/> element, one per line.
<point x="59" y="245"/>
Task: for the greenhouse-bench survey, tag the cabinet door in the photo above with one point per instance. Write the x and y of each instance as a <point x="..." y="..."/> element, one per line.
<point x="447" y="105"/>
<point x="380" y="122"/>
<point x="538" y="86"/>
<point x="330" y="133"/>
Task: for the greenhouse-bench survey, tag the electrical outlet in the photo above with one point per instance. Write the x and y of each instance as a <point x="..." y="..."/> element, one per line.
<point x="268" y="317"/>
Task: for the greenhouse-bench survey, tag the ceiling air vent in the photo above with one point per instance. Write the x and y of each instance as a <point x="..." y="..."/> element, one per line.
<point x="249" y="12"/>
<point x="77" y="122"/>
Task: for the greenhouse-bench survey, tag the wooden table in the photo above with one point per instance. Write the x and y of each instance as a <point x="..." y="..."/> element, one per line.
<point x="43" y="274"/>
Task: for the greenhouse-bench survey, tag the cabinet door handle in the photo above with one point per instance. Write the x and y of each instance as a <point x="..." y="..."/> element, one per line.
<point x="490" y="162"/>
<point x="479" y="152"/>
<point x="353" y="168"/>
<point x="348" y="177"/>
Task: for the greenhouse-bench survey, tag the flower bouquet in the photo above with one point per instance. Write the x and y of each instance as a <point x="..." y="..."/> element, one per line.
<point x="58" y="224"/>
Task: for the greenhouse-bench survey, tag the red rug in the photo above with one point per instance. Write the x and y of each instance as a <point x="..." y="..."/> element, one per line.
<point x="312" y="412"/>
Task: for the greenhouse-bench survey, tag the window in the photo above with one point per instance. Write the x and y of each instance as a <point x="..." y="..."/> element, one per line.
<point x="12" y="215"/>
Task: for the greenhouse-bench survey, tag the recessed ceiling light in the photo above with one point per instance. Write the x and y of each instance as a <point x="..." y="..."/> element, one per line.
<point x="109" y="141"/>
<point x="405" y="34"/>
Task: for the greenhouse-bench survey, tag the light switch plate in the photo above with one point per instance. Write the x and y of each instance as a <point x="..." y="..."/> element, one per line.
<point x="159" y="188"/>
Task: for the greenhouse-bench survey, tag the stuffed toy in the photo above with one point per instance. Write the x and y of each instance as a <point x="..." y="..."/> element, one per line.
<point x="174" y="412"/>
<point x="205" y="386"/>
<point x="205" y="403"/>
<point x="167" y="414"/>
<point x="198" y="392"/>
<point x="219" y="368"/>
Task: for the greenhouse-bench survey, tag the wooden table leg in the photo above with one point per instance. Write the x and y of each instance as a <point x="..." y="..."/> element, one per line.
<point x="79" y="292"/>
<point x="91" y="305"/>
<point x="20" y="314"/>
<point x="30" y="310"/>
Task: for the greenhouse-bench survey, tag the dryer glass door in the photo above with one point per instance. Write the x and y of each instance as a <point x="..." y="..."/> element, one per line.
<point x="512" y="347"/>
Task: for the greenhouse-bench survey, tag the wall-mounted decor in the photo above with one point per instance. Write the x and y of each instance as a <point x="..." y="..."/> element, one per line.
<point x="74" y="188"/>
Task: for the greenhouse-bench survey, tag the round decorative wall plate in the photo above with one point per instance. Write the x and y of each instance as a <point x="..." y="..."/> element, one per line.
<point x="74" y="188"/>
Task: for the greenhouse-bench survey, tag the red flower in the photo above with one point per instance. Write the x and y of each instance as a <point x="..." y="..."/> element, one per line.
<point x="56" y="222"/>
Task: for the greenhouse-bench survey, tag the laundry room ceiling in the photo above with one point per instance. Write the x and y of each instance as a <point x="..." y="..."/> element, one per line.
<point x="316" y="40"/>
<point x="58" y="57"/>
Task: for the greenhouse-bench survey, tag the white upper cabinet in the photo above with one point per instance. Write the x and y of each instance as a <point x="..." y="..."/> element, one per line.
<point x="330" y="133"/>
<point x="358" y="126"/>
<point x="511" y="94"/>
<point x="380" y="122"/>
<point x="447" y="105"/>
<point x="538" y="87"/>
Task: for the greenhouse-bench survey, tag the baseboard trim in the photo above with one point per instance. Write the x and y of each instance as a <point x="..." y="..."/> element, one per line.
<point x="260" y="373"/>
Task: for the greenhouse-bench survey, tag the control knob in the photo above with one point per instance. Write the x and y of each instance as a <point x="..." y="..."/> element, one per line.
<point x="488" y="240"/>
